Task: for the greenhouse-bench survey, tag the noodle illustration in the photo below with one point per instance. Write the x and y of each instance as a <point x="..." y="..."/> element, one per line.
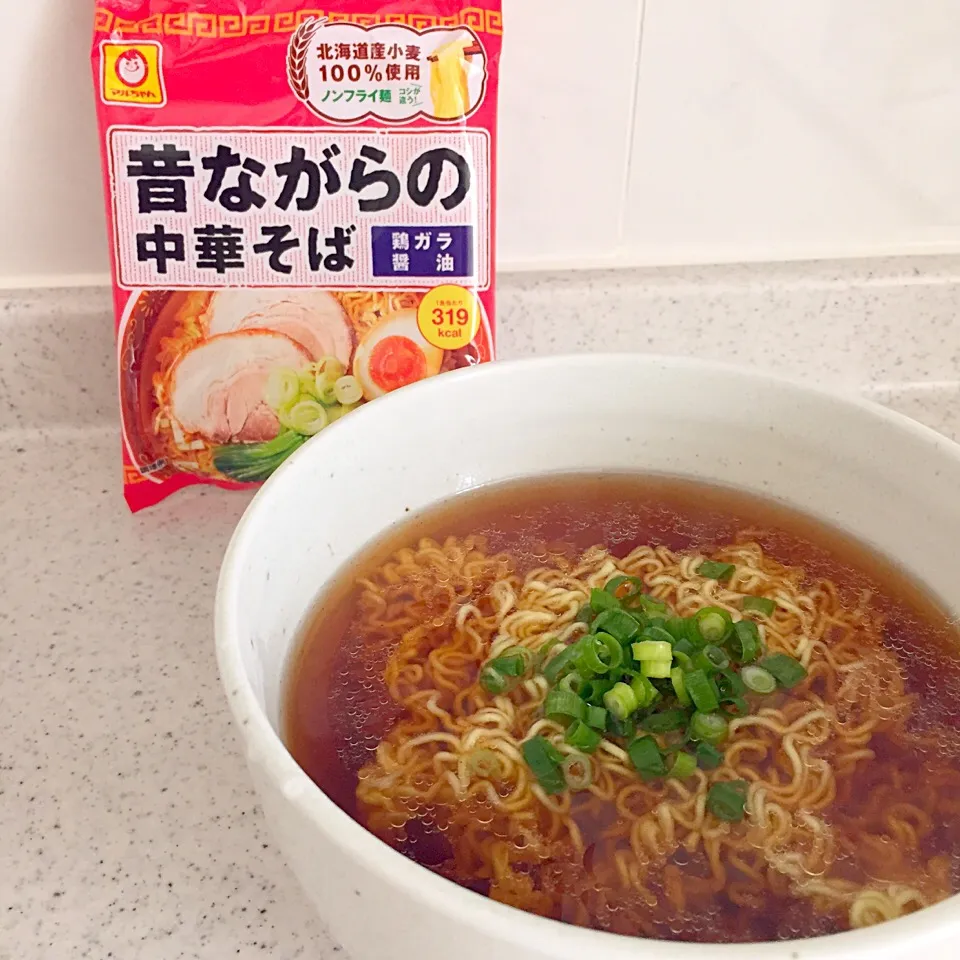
<point x="449" y="87"/>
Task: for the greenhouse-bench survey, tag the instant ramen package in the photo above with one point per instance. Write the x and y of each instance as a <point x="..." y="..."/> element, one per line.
<point x="301" y="207"/>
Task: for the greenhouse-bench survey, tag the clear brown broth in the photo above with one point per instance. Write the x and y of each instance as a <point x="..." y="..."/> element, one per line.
<point x="331" y="741"/>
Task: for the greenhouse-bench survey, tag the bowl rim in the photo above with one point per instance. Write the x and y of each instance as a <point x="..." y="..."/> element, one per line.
<point x="474" y="910"/>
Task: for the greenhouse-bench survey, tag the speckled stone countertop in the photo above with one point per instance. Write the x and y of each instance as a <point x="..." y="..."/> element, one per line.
<point x="128" y="829"/>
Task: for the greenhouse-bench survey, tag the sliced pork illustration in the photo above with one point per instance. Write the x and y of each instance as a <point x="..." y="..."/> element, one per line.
<point x="216" y="389"/>
<point x="313" y="318"/>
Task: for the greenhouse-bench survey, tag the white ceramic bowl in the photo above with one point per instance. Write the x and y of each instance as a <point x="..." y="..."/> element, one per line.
<point x="880" y="476"/>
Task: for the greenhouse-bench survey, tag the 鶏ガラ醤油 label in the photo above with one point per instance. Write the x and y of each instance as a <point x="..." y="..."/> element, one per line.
<point x="301" y="205"/>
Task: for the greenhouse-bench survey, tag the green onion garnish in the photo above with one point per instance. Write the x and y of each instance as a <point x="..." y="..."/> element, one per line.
<point x="577" y="771"/>
<point x="714" y="623"/>
<point x="657" y="633"/>
<point x="596" y="717"/>
<point x="613" y="586"/>
<point x="714" y="570"/>
<point x="573" y="682"/>
<point x="544" y="760"/>
<point x="684" y="764"/>
<point x="619" y="625"/>
<point x="788" y="671"/>
<point x="586" y="614"/>
<point x="600" y="600"/>
<point x="645" y="755"/>
<point x="708" y="756"/>
<point x="645" y="692"/>
<point x="562" y="706"/>
<point x="745" y="642"/>
<point x="593" y="690"/>
<point x="652" y="650"/>
<point x="758" y="679"/>
<point x="609" y="651"/>
<point x="759" y="604"/>
<point x="510" y="665"/>
<point x="579" y="735"/>
<point x="711" y="659"/>
<point x="658" y="669"/>
<point x="711" y="727"/>
<point x="680" y="629"/>
<point x="735" y="707"/>
<point x="626" y="728"/>
<point x="620" y="701"/>
<point x="664" y="721"/>
<point x="561" y="662"/>
<point x="679" y="687"/>
<point x="728" y="684"/>
<point x="727" y="800"/>
<point x="493" y="681"/>
<point x="702" y="692"/>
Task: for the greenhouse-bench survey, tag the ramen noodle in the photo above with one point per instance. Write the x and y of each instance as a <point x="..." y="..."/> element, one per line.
<point x="301" y="202"/>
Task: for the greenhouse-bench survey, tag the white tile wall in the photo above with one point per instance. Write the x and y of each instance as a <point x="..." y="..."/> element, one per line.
<point x="737" y="129"/>
<point x="795" y="129"/>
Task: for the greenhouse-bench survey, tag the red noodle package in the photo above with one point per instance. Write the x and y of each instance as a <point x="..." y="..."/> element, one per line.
<point x="301" y="208"/>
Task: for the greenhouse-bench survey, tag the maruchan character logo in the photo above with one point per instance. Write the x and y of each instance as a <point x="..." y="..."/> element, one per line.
<point x="131" y="67"/>
<point x="132" y="74"/>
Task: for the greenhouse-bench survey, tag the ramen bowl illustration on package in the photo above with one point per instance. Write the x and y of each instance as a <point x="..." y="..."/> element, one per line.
<point x="301" y="205"/>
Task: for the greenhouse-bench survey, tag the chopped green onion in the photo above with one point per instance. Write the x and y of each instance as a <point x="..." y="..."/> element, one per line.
<point x="684" y="765"/>
<point x="762" y="605"/>
<point x="561" y="705"/>
<point x="579" y="735"/>
<point x="577" y="771"/>
<point x="684" y="631"/>
<point x="613" y="586"/>
<point x="728" y="684"/>
<point x="711" y="727"/>
<point x="714" y="570"/>
<point x="664" y="721"/>
<point x="650" y="604"/>
<point x="543" y="652"/>
<point x="711" y="659"/>
<point x="727" y="800"/>
<point x="735" y="707"/>
<point x="645" y="755"/>
<point x="758" y="679"/>
<point x="608" y="651"/>
<point x="305" y="416"/>
<point x="562" y="662"/>
<point x="652" y="650"/>
<point x="493" y="681"/>
<point x="510" y="665"/>
<point x="702" y="692"/>
<point x="626" y="728"/>
<point x="596" y="717"/>
<point x="544" y="760"/>
<point x="619" y="625"/>
<point x="657" y="634"/>
<point x="586" y="614"/>
<point x="745" y="642"/>
<point x="282" y="387"/>
<point x="593" y="689"/>
<point x="679" y="687"/>
<point x="484" y="763"/>
<point x="601" y="600"/>
<point x="714" y="624"/>
<point x="684" y="647"/>
<point x="788" y="671"/>
<point x="657" y="669"/>
<point x="572" y="683"/>
<point x="620" y="700"/>
<point x="645" y="691"/>
<point x="708" y="756"/>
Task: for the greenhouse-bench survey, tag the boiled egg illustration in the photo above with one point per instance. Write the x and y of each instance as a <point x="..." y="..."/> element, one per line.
<point x="393" y="354"/>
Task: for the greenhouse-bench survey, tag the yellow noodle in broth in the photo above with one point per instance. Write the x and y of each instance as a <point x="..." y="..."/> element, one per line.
<point x="854" y="782"/>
